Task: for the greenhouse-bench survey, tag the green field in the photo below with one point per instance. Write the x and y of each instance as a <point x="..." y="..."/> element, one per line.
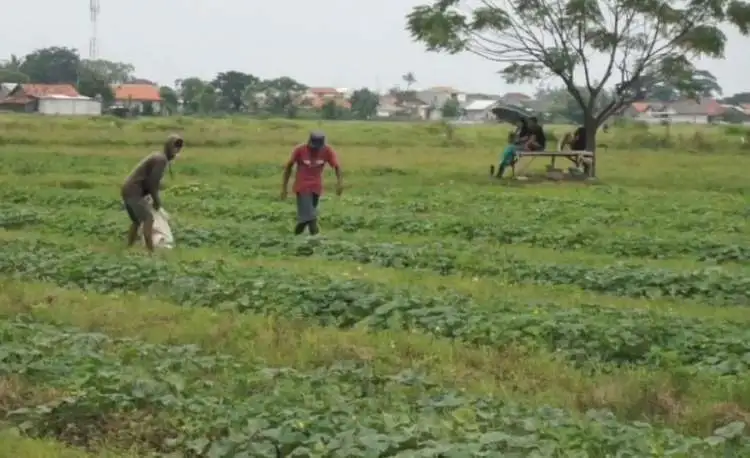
<point x="440" y="314"/>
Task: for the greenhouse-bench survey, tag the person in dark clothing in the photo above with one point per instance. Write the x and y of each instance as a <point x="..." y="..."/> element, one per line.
<point x="529" y="136"/>
<point x="521" y="135"/>
<point x="537" y="140"/>
<point x="576" y="141"/>
<point x="145" y="180"/>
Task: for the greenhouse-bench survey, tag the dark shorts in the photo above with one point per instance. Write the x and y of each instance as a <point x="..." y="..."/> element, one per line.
<point x="307" y="207"/>
<point x="137" y="209"/>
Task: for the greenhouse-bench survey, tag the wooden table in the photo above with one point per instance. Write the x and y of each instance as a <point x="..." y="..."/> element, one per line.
<point x="576" y="157"/>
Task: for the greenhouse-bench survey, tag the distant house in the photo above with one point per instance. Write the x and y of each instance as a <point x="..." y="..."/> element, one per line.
<point x="648" y="112"/>
<point x="25" y="98"/>
<point x="411" y="105"/>
<point x="436" y="97"/>
<point x="137" y="96"/>
<point x="389" y="107"/>
<point x="472" y="96"/>
<point x="480" y="111"/>
<point x="704" y="111"/>
<point x="317" y="97"/>
<point x="686" y="111"/>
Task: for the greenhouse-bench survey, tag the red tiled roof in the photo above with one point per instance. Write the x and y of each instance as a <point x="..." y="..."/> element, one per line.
<point x="640" y="107"/>
<point x="40" y="90"/>
<point x="323" y="90"/>
<point x="340" y="102"/>
<point x="445" y="89"/>
<point x="137" y="92"/>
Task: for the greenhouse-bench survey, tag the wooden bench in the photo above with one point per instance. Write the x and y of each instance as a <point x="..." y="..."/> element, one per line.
<point x="576" y="157"/>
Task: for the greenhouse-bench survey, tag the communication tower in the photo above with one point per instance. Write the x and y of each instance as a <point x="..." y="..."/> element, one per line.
<point x="94" y="11"/>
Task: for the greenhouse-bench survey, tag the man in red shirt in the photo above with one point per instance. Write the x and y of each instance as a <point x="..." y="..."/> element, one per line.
<point x="310" y="160"/>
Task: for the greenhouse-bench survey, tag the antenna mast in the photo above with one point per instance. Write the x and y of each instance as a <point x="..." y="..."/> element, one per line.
<point x="94" y="11"/>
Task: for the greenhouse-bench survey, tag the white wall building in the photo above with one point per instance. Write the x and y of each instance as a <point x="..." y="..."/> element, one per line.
<point x="69" y="106"/>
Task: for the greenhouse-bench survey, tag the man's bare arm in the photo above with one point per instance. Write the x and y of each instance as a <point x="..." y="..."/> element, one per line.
<point x="339" y="176"/>
<point x="287" y="175"/>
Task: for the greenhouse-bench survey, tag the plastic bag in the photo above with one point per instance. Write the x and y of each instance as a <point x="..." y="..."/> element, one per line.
<point x="162" y="237"/>
<point x="162" y="234"/>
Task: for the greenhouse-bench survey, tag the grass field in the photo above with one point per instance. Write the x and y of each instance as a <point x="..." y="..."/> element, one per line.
<point x="441" y="313"/>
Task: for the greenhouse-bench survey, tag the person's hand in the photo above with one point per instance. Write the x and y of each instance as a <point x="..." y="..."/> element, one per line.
<point x="284" y="194"/>
<point x="339" y="188"/>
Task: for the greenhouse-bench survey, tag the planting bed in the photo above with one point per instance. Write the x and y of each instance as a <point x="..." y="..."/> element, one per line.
<point x="438" y="314"/>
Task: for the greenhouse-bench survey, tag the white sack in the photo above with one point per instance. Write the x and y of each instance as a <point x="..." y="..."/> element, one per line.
<point x="162" y="235"/>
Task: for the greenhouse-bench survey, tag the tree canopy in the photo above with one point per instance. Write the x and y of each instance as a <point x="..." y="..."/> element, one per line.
<point x="637" y="42"/>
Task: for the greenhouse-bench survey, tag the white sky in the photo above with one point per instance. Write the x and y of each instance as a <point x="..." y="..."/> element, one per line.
<point x="340" y="43"/>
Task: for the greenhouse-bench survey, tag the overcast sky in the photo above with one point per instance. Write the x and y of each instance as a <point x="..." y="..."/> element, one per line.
<point x="340" y="43"/>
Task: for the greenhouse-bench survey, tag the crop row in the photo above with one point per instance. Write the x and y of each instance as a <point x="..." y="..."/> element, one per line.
<point x="454" y="208"/>
<point x="599" y="200"/>
<point x="710" y="285"/>
<point x="586" y="334"/>
<point x="590" y="236"/>
<point x="344" y="410"/>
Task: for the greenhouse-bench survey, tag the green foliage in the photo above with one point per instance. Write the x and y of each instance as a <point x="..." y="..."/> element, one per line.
<point x="11" y="76"/>
<point x="587" y="335"/>
<point x="439" y="313"/>
<point x="95" y="85"/>
<point x="169" y="99"/>
<point x="52" y="65"/>
<point x="450" y="109"/>
<point x="364" y="103"/>
<point x="112" y="72"/>
<point x="182" y="404"/>
<point x="330" y="110"/>
<point x="232" y="86"/>
<point x="710" y="285"/>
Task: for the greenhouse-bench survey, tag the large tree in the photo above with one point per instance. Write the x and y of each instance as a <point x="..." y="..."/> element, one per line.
<point x="232" y="86"/>
<point x="53" y="65"/>
<point x="95" y="85"/>
<point x="364" y="103"/>
<point x="701" y="83"/>
<point x="110" y="71"/>
<point x="738" y="99"/>
<point x="10" y="71"/>
<point x="568" y="39"/>
<point x="190" y="91"/>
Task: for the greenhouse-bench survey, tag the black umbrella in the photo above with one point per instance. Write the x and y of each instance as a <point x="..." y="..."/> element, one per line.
<point x="511" y="113"/>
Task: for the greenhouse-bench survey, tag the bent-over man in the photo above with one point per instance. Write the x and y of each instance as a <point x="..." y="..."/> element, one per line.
<point x="310" y="160"/>
<point x="143" y="181"/>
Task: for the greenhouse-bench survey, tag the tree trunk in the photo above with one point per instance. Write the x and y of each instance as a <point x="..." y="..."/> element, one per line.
<point x="591" y="127"/>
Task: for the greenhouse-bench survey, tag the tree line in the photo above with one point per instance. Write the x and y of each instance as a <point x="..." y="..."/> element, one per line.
<point x="228" y="92"/>
<point x="238" y="92"/>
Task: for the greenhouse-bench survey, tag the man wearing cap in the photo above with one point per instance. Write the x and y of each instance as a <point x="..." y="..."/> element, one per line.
<point x="310" y="160"/>
<point x="145" y="180"/>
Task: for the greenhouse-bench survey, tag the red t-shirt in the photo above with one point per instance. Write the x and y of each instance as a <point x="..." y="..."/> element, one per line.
<point x="309" y="177"/>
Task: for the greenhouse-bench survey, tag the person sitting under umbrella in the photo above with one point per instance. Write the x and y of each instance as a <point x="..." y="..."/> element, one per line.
<point x="529" y="136"/>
